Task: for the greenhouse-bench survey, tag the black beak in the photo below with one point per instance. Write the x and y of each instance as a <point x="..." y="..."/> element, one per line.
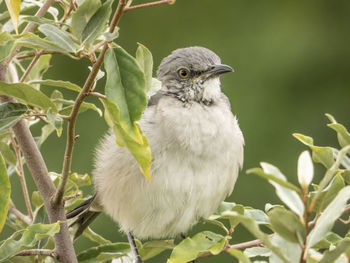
<point x="218" y="70"/>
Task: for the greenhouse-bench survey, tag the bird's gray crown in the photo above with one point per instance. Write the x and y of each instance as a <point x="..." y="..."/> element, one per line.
<point x="193" y="58"/>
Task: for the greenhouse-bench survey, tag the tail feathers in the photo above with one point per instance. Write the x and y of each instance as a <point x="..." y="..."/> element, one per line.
<point x="81" y="217"/>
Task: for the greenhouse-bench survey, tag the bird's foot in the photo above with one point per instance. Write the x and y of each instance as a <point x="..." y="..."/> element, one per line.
<point x="134" y="248"/>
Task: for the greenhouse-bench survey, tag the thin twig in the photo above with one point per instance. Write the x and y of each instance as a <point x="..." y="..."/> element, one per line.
<point x="29" y="55"/>
<point x="97" y="94"/>
<point x="22" y="178"/>
<point x="161" y="2"/>
<point x="25" y="219"/>
<point x="79" y="100"/>
<point x="31" y="65"/>
<point x="31" y="252"/>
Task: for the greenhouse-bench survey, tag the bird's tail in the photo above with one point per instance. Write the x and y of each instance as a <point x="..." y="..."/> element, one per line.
<point x="81" y="216"/>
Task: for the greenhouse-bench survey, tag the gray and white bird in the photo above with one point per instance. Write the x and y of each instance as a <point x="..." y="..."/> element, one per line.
<point x="197" y="152"/>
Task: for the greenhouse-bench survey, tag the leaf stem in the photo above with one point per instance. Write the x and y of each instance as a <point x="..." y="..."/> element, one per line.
<point x="22" y="178"/>
<point x="161" y="2"/>
<point x="96" y="94"/>
<point x="19" y="57"/>
<point x="31" y="65"/>
<point x="79" y="100"/>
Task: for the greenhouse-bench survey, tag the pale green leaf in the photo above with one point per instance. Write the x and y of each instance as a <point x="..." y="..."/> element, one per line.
<point x="58" y="37"/>
<point x="8" y="154"/>
<point x="125" y="103"/>
<point x="10" y="114"/>
<point x="37" y="200"/>
<point x="323" y="155"/>
<point x="287" y="225"/>
<point x="118" y="249"/>
<point x="190" y="248"/>
<point x="257" y="215"/>
<point x="56" y="83"/>
<point x="257" y="251"/>
<point x="155" y="86"/>
<point x="83" y="14"/>
<point x="55" y="121"/>
<point x="27" y="94"/>
<point x="334" y="188"/>
<point x="14" y="8"/>
<point x="97" y="23"/>
<point x="331" y="256"/>
<point x="33" y="41"/>
<point x="342" y="133"/>
<point x="94" y="237"/>
<point x="153" y="248"/>
<point x="145" y="60"/>
<point x="283" y="188"/>
<point x="290" y="250"/>
<point x="254" y="229"/>
<point x="328" y="217"/>
<point x="5" y="193"/>
<point x="38" y="20"/>
<point x="29" y="238"/>
<point x="239" y="255"/>
<point x="7" y="43"/>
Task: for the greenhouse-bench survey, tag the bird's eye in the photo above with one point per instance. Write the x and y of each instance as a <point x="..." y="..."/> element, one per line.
<point x="184" y="73"/>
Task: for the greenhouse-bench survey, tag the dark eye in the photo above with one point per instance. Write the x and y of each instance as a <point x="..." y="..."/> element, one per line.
<point x="184" y="73"/>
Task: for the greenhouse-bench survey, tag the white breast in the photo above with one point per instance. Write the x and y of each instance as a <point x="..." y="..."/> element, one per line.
<point x="196" y="155"/>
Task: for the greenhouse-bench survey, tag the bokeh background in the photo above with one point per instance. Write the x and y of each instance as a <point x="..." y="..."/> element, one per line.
<point x="292" y="65"/>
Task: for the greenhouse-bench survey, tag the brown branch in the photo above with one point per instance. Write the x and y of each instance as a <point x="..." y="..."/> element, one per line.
<point x="96" y="94"/>
<point x="25" y="219"/>
<point x="30" y="66"/>
<point x="22" y="178"/>
<point x="31" y="252"/>
<point x="79" y="100"/>
<point x="161" y="2"/>
<point x="29" y="55"/>
<point x="41" y="12"/>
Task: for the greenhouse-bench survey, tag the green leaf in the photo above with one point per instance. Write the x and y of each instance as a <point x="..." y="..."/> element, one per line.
<point x="55" y="121"/>
<point x="153" y="248"/>
<point x="8" y="154"/>
<point x="335" y="186"/>
<point x="58" y="37"/>
<point x="190" y="248"/>
<point x="287" y="225"/>
<point x="94" y="237"/>
<point x="290" y="250"/>
<point x="330" y="240"/>
<point x="14" y="8"/>
<point x="29" y="238"/>
<point x="45" y="132"/>
<point x="38" y="20"/>
<point x="118" y="249"/>
<point x="257" y="215"/>
<point x="5" y="193"/>
<point x="83" y="14"/>
<point x="37" y="199"/>
<point x="257" y="251"/>
<point x="56" y="83"/>
<point x="283" y="188"/>
<point x="27" y="94"/>
<point x="254" y="229"/>
<point x="145" y="60"/>
<point x="7" y="43"/>
<point x="97" y="23"/>
<point x="239" y="255"/>
<point x="323" y="155"/>
<point x="39" y="69"/>
<point x="125" y="103"/>
<point x="331" y="256"/>
<point x="10" y="114"/>
<point x="342" y="133"/>
<point x="224" y="211"/>
<point x="155" y="86"/>
<point x="328" y="217"/>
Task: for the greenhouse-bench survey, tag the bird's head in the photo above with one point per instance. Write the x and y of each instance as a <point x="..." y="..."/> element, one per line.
<point x="192" y="74"/>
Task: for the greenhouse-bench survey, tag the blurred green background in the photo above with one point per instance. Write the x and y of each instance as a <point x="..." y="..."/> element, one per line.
<point x="291" y="61"/>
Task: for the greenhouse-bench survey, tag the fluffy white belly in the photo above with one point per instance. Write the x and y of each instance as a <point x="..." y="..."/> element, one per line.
<point x="195" y="163"/>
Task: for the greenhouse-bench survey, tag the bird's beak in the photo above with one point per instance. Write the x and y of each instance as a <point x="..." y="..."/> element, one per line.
<point x="218" y="70"/>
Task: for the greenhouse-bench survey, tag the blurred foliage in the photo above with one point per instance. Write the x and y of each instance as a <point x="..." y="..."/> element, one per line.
<point x="291" y="61"/>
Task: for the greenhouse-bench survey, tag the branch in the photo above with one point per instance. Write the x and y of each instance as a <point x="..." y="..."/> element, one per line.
<point x="161" y="2"/>
<point x="30" y="66"/>
<point x="96" y="94"/>
<point x="20" y="216"/>
<point x="30" y="252"/>
<point x="79" y="100"/>
<point x="22" y="178"/>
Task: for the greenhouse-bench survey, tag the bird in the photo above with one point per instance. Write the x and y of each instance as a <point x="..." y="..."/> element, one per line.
<point x="197" y="153"/>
